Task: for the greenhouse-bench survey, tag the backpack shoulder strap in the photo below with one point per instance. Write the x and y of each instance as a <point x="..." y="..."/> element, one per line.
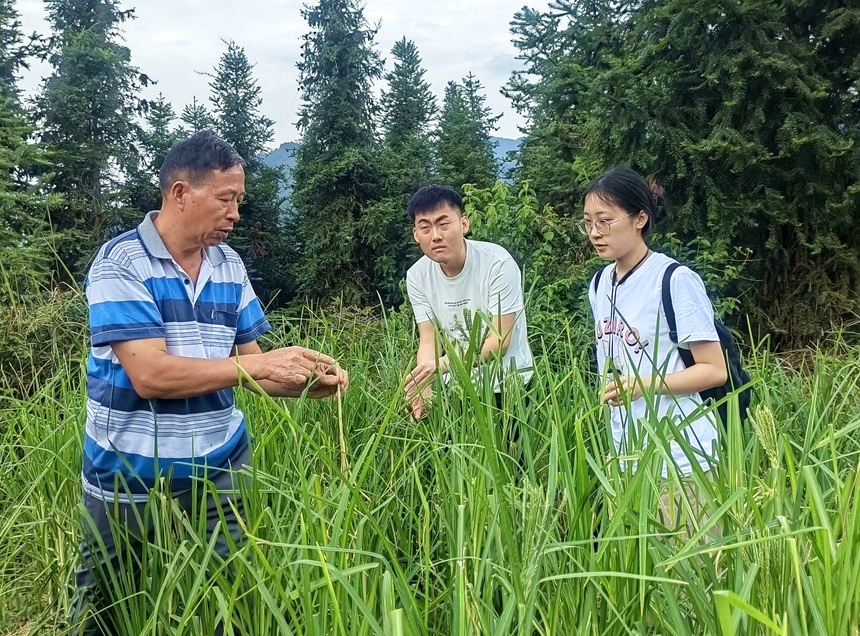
<point x="669" y="308"/>
<point x="596" y="281"/>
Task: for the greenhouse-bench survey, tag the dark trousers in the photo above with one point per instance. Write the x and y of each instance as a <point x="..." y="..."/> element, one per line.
<point x="123" y="529"/>
<point x="515" y="446"/>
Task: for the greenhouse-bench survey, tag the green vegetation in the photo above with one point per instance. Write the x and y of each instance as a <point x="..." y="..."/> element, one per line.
<point x="361" y="521"/>
<point x="747" y="111"/>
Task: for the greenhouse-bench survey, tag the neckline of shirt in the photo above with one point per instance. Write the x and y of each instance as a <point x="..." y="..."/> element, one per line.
<point x="466" y="265"/>
<point x="631" y="271"/>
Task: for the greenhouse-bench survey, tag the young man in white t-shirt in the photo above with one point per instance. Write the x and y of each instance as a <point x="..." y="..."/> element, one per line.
<point x="456" y="282"/>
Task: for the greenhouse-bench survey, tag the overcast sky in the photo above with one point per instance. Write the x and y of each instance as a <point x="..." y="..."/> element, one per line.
<point x="170" y="40"/>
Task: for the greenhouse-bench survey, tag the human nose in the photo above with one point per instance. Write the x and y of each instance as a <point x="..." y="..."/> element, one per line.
<point x="594" y="232"/>
<point x="435" y="233"/>
<point x="233" y="211"/>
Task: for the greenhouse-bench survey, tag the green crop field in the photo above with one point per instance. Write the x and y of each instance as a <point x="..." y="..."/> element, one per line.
<point x="362" y="521"/>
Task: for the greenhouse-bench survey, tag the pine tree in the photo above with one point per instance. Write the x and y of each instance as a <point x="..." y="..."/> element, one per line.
<point x="25" y="249"/>
<point x="14" y="50"/>
<point x="196" y="117"/>
<point x="86" y="108"/>
<point x="141" y="189"/>
<point x="748" y="111"/>
<point x="405" y="164"/>
<point x="561" y="49"/>
<point x="236" y="104"/>
<point x="408" y="110"/>
<point x="408" y="105"/>
<point x="464" y="148"/>
<point x="336" y="175"/>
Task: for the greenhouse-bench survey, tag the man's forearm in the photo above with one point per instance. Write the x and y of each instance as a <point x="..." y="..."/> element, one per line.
<point x="432" y="355"/>
<point x="177" y="377"/>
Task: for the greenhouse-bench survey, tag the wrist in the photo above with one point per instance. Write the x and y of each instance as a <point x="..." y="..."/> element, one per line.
<point x="253" y="364"/>
<point x="443" y="364"/>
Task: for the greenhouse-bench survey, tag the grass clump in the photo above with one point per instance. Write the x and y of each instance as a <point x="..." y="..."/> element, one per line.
<point x="362" y="521"/>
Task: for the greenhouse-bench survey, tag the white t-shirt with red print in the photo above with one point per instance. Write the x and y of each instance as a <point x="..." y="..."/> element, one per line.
<point x="632" y="332"/>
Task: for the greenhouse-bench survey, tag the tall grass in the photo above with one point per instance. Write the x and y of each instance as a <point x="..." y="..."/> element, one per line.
<point x="360" y="520"/>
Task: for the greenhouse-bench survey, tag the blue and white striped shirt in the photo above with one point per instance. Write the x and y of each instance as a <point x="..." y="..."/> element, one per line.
<point x="135" y="290"/>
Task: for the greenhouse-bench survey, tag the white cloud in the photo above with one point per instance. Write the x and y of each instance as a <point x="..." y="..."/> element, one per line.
<point x="172" y="41"/>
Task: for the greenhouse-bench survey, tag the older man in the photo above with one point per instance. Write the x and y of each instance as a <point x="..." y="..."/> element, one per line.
<point x="174" y="324"/>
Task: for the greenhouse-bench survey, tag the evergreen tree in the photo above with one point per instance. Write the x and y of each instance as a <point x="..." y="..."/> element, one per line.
<point x="408" y="106"/>
<point x="86" y="107"/>
<point x="464" y="148"/>
<point x="196" y="117"/>
<point x="236" y="106"/>
<point x="14" y="51"/>
<point x="25" y="254"/>
<point x="405" y="163"/>
<point x="25" y="242"/>
<point x="336" y="176"/>
<point x="561" y="49"/>
<point x="408" y="109"/>
<point x="747" y="110"/>
<point x="142" y="192"/>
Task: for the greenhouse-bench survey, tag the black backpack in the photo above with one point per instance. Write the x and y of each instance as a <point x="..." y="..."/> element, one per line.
<point x="737" y="375"/>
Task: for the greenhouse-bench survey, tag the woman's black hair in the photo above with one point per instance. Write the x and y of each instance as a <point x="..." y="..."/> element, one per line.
<point x="629" y="190"/>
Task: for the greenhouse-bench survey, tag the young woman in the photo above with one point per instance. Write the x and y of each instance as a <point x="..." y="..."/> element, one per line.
<point x="635" y="353"/>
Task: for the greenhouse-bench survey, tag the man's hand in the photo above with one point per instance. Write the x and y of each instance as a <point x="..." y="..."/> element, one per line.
<point x="298" y="368"/>
<point x="328" y="384"/>
<point x="422" y="375"/>
<point x="421" y="402"/>
<point x="419" y="376"/>
<point x="418" y="384"/>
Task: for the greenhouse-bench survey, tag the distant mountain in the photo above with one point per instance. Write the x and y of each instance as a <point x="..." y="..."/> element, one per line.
<point x="503" y="148"/>
<point x="285" y="156"/>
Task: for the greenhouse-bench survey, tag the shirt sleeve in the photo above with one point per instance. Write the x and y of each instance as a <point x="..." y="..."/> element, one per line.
<point x="251" y="322"/>
<point x="506" y="288"/>
<point x="418" y="299"/>
<point x="121" y="306"/>
<point x="694" y="313"/>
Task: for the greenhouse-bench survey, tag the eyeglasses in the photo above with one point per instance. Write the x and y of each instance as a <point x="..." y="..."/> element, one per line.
<point x="603" y="226"/>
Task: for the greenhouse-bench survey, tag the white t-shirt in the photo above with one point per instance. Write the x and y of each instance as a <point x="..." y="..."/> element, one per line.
<point x="490" y="282"/>
<point x="627" y="334"/>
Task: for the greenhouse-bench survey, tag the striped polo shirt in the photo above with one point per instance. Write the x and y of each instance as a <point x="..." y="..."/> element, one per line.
<point x="135" y="290"/>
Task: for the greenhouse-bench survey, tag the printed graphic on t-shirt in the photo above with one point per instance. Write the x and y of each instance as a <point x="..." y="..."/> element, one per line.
<point x="461" y="325"/>
<point x="620" y="342"/>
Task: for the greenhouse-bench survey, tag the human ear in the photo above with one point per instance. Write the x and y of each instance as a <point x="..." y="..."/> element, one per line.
<point x="179" y="192"/>
<point x="464" y="223"/>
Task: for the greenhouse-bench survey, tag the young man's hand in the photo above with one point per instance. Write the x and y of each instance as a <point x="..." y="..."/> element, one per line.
<point x="420" y="403"/>
<point x="418" y="384"/>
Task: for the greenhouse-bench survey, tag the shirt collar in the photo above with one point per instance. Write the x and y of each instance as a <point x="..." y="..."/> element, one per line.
<point x="152" y="243"/>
